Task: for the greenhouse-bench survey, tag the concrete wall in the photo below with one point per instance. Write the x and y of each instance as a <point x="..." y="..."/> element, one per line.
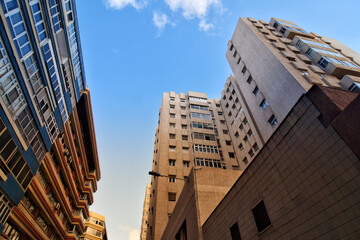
<point x="307" y="177"/>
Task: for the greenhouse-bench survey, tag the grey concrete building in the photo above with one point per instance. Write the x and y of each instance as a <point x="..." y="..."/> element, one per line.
<point x="273" y="65"/>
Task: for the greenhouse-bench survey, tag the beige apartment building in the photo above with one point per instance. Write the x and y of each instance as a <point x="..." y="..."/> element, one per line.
<point x="191" y="132"/>
<point x="273" y="64"/>
<point x="94" y="228"/>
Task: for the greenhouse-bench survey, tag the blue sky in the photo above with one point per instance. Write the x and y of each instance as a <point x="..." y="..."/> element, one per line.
<point x="134" y="50"/>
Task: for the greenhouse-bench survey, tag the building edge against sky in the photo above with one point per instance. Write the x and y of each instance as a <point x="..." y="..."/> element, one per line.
<point x="49" y="162"/>
<point x="252" y="105"/>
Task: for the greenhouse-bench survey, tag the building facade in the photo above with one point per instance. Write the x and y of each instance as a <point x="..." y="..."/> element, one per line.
<point x="145" y="215"/>
<point x="95" y="228"/>
<point x="191" y="132"/>
<point x="273" y="64"/>
<point x="306" y="177"/>
<point x="49" y="162"/>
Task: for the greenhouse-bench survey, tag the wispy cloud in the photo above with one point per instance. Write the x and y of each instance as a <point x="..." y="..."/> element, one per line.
<point x="160" y="21"/>
<point x="120" y="4"/>
<point x="132" y="233"/>
<point x="196" y="9"/>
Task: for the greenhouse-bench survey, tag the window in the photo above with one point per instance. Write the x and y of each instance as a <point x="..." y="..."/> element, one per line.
<point x="172" y="162"/>
<point x="233" y="106"/>
<point x="202" y="125"/>
<point x="234" y="230"/>
<point x="227" y="105"/>
<point x="172" y="178"/>
<point x="183" y="116"/>
<point x="241" y="127"/>
<point x="304" y="72"/>
<point x="225" y="131"/>
<point x="203" y="136"/>
<point x="230" y="114"/>
<point x="261" y="216"/>
<point x="249" y="132"/>
<point x="200" y="115"/>
<point x="183" y="108"/>
<point x="208" y="162"/>
<point x="241" y="147"/>
<point x="251" y="153"/>
<point x="235" y="167"/>
<point x="228" y="142"/>
<point x="184" y="137"/>
<point x="355" y="87"/>
<point x="222" y="122"/>
<point x="186" y="163"/>
<point x="183" y="126"/>
<point x="299" y="44"/>
<point x="217" y="105"/>
<point x="172" y="99"/>
<point x="236" y="100"/>
<point x="235" y="53"/>
<point x="231" y="47"/>
<point x="310" y="53"/>
<point x="272" y="120"/>
<point x="172" y="115"/>
<point x="231" y="155"/>
<point x="196" y="99"/>
<point x="256" y="91"/>
<point x="243" y="70"/>
<point x="172" y="148"/>
<point x="245" y="160"/>
<point x="185" y="149"/>
<point x="172" y="196"/>
<point x="323" y="63"/>
<point x="263" y="104"/>
<point x="276" y="24"/>
<point x="182" y="233"/>
<point x="172" y="125"/>
<point x="192" y="106"/>
<point x="245" y="138"/>
<point x="245" y="120"/>
<point x="255" y="147"/>
<point x="237" y="134"/>
<point x="282" y="30"/>
<point x="220" y="113"/>
<point x="249" y="80"/>
<point x="182" y="100"/>
<point x="172" y="136"/>
<point x="205" y="148"/>
<point x="172" y="106"/>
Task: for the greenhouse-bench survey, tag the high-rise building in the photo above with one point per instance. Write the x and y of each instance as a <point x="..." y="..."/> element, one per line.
<point x="95" y="228"/>
<point x="145" y="215"/>
<point x="191" y="132"/>
<point x="48" y="154"/>
<point x="273" y="64"/>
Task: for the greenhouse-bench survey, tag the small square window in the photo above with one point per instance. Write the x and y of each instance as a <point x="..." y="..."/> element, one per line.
<point x="172" y="136"/>
<point x="172" y="106"/>
<point x="235" y="167"/>
<point x="249" y="132"/>
<point x="241" y="127"/>
<point x="172" y="196"/>
<point x="227" y="105"/>
<point x="237" y="134"/>
<point x="236" y="100"/>
<point x="245" y="160"/>
<point x="220" y="113"/>
<point x="183" y="108"/>
<point x="185" y="149"/>
<point x="183" y="126"/>
<point x="182" y="100"/>
<point x="264" y="104"/>
<point x="272" y="120"/>
<point x="230" y="114"/>
<point x="222" y="122"/>
<point x="172" y="115"/>
<point x="184" y="137"/>
<point x="172" y="148"/>
<point x="172" y="99"/>
<point x="241" y="147"/>
<point x="251" y="153"/>
<point x="245" y="138"/>
<point x="233" y="106"/>
<point x="218" y="105"/>
<point x="225" y="131"/>
<point x="234" y="230"/>
<point x="186" y="163"/>
<point x="255" y="147"/>
<point x="261" y="216"/>
<point x="228" y="142"/>
<point x="183" y="116"/>
<point x="245" y="120"/>
<point x="172" y="125"/>
<point x="231" y="155"/>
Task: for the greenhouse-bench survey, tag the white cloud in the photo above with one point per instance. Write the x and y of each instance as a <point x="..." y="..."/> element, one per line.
<point x="196" y="9"/>
<point x="132" y="233"/>
<point x="160" y="20"/>
<point x="120" y="4"/>
<point x="205" y="26"/>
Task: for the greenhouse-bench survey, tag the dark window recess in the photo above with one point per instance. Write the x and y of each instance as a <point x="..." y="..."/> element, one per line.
<point x="235" y="232"/>
<point x="261" y="216"/>
<point x="181" y="234"/>
<point x="172" y="197"/>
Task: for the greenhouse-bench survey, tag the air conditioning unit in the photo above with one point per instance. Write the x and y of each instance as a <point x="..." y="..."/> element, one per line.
<point x="56" y="206"/>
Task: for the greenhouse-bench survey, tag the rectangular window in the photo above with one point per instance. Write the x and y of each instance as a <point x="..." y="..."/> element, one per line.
<point x="172" y="196"/>
<point x="245" y="138"/>
<point x="255" y="147"/>
<point x="172" y="106"/>
<point x="234" y="231"/>
<point x="251" y="153"/>
<point x="172" y="115"/>
<point x="245" y="120"/>
<point x="172" y="178"/>
<point x="236" y="134"/>
<point x="220" y="113"/>
<point x="208" y="162"/>
<point x="184" y="137"/>
<point x="261" y="216"/>
<point x="231" y="155"/>
<point x="183" y="126"/>
<point x="172" y="125"/>
<point x="228" y="142"/>
<point x="185" y="149"/>
<point x="202" y="125"/>
<point x="172" y="162"/>
<point x="241" y="147"/>
<point x="225" y="131"/>
<point x="172" y="148"/>
<point x="256" y="91"/>
<point x="199" y="107"/>
<point x="183" y="116"/>
<point x="241" y="127"/>
<point x="264" y="104"/>
<point x="272" y="120"/>
<point x="200" y="115"/>
<point x="235" y="53"/>
<point x="249" y="80"/>
<point x="245" y="160"/>
<point x="249" y="132"/>
<point x="323" y="63"/>
<point x="196" y="99"/>
<point x="243" y="70"/>
<point x="203" y="136"/>
<point x="172" y="136"/>
<point x="172" y="99"/>
<point x="186" y="163"/>
<point x="205" y="148"/>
